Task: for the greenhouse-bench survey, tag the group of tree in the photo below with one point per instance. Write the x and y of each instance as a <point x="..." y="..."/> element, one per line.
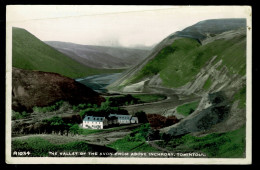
<point x="70" y="124"/>
<point x="158" y="121"/>
<point x="57" y="125"/>
<point x="123" y="100"/>
<point x="103" y="110"/>
<point x="141" y="115"/>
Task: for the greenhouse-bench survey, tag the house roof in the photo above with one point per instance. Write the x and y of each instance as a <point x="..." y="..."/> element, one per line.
<point x="125" y="117"/>
<point x="122" y="117"/>
<point x="94" y="119"/>
<point x="110" y="117"/>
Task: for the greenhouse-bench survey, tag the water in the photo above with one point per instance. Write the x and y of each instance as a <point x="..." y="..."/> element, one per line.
<point x="99" y="82"/>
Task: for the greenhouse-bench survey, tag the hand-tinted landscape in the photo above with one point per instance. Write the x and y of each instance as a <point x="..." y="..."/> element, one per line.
<point x="185" y="94"/>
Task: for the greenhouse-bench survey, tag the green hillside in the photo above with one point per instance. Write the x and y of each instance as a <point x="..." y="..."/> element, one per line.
<point x="30" y="53"/>
<point x="179" y="62"/>
<point x="216" y="145"/>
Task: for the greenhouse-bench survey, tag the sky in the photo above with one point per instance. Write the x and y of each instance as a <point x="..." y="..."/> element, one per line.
<point x="127" y="26"/>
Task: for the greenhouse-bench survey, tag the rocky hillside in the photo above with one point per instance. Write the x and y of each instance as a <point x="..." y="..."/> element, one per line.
<point x="208" y="58"/>
<point x="100" y="56"/>
<point x="37" y="88"/>
<point x="177" y="61"/>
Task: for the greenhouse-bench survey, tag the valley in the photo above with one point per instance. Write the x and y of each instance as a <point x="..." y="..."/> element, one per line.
<point x="99" y="82"/>
<point x="100" y="57"/>
<point x="188" y="93"/>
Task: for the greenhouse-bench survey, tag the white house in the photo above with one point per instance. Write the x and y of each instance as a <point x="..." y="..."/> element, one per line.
<point x="134" y="120"/>
<point x="93" y="122"/>
<point x="125" y="119"/>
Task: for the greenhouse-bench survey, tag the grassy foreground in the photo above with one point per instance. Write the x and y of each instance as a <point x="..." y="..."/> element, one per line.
<point x="134" y="142"/>
<point x="216" y="145"/>
<point x="40" y="147"/>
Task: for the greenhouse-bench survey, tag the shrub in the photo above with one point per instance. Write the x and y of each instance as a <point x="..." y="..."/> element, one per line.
<point x="158" y="121"/>
<point x="105" y="105"/>
<point x="153" y="134"/>
<point x="56" y="124"/>
<point x="74" y="129"/>
<point x="123" y="100"/>
<point x="140" y="133"/>
<point x="54" y="121"/>
<point x="54" y="107"/>
<point x="18" y="115"/>
<point x="81" y="106"/>
<point x="102" y="111"/>
<point x="141" y="117"/>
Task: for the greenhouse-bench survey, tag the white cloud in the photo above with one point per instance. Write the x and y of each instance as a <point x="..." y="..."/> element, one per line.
<point x="110" y="25"/>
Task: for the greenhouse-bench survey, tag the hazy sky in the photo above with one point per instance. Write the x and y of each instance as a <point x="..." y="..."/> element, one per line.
<point x="127" y="26"/>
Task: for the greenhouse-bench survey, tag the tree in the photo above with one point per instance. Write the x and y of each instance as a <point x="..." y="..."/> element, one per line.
<point x="141" y="117"/>
<point x="153" y="134"/>
<point x="57" y="124"/>
<point x="105" y="105"/>
<point x="74" y="129"/>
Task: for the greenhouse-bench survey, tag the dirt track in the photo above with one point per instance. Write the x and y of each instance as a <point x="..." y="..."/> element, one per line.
<point x="159" y="107"/>
<point x="101" y="138"/>
<point x="106" y="137"/>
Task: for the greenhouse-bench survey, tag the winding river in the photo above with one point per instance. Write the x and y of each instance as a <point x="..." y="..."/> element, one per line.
<point x="99" y="82"/>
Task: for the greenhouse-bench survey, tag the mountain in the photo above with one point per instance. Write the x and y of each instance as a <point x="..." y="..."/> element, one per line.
<point x="37" y="88"/>
<point x="30" y="53"/>
<point x="100" y="56"/>
<point x="204" y="29"/>
<point x="177" y="60"/>
<point x="206" y="59"/>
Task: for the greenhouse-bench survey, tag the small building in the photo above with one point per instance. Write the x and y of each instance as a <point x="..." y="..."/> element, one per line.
<point x="125" y="119"/>
<point x="93" y="122"/>
<point x="97" y="122"/>
<point x="112" y="120"/>
<point x="134" y="120"/>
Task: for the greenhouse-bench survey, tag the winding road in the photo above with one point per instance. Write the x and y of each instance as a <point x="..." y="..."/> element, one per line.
<point x="160" y="107"/>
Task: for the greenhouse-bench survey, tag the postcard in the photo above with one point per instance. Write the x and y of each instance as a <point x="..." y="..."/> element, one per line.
<point x="102" y="84"/>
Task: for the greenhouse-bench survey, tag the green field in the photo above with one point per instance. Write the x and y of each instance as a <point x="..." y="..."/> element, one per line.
<point x="86" y="132"/>
<point x="207" y="84"/>
<point x="134" y="142"/>
<point x="40" y="147"/>
<point x="123" y="145"/>
<point x="30" y="53"/>
<point x="216" y="145"/>
<point x="188" y="108"/>
<point x="179" y="62"/>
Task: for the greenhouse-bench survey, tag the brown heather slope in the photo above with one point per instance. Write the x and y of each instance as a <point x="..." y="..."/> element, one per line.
<point x="37" y="88"/>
